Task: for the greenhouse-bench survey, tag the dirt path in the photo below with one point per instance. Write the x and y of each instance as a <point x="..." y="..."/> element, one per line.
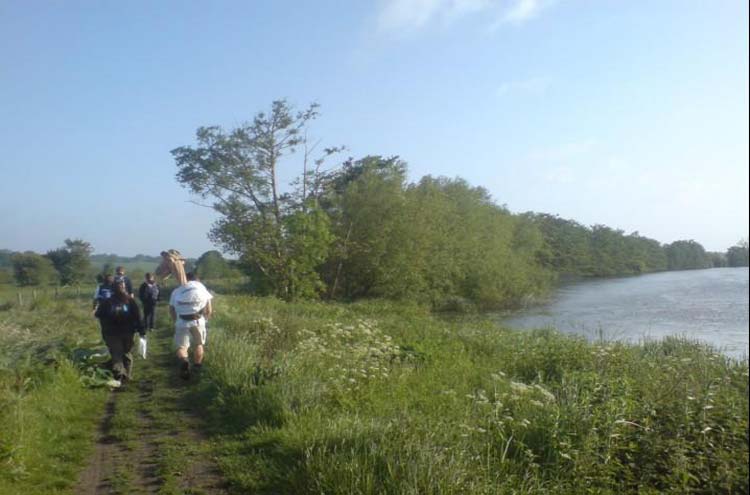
<point x="150" y="439"/>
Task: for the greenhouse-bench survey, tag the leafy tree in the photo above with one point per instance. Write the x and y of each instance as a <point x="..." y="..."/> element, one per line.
<point x="686" y="255"/>
<point x="364" y="202"/>
<point x="239" y="171"/>
<point x="567" y="244"/>
<point x="437" y="241"/>
<point x="717" y="260"/>
<point x="33" y="269"/>
<point x="738" y="255"/>
<point x="212" y="265"/>
<point x="72" y="261"/>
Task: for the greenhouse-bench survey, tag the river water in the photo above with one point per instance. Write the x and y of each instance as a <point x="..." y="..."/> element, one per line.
<point x="707" y="305"/>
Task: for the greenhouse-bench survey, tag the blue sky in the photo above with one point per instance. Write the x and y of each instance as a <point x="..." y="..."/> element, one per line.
<point x="630" y="114"/>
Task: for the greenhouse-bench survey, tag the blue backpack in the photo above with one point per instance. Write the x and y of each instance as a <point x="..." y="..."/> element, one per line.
<point x="104" y="293"/>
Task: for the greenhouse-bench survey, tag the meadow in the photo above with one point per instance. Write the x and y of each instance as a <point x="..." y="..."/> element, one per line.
<point x="378" y="397"/>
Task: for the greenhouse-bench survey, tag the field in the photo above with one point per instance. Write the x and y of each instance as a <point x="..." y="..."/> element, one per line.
<point x="367" y="398"/>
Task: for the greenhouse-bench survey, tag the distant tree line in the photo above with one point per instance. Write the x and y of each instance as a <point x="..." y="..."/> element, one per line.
<point x="73" y="264"/>
<point x="361" y="230"/>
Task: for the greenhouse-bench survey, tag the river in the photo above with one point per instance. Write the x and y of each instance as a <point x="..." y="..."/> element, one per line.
<point x="707" y="305"/>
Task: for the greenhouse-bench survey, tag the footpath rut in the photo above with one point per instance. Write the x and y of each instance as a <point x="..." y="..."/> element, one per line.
<point x="150" y="439"/>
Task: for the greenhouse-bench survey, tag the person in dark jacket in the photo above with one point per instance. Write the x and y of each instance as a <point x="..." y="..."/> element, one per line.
<point x="120" y="319"/>
<point x="121" y="277"/>
<point x="103" y="290"/>
<point x="148" y="293"/>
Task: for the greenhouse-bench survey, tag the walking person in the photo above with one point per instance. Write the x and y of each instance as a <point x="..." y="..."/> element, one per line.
<point x="121" y="277"/>
<point x="103" y="290"/>
<point x="120" y="319"/>
<point x="190" y="307"/>
<point x="149" y="294"/>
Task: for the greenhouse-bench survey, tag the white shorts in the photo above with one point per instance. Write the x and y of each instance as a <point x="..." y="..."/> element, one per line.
<point x="187" y="333"/>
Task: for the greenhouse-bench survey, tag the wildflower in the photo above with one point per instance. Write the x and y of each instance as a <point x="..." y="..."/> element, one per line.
<point x="519" y="387"/>
<point x="546" y="393"/>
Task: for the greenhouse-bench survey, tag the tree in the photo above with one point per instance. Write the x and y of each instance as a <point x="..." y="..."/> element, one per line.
<point x="239" y="171"/>
<point x="72" y="261"/>
<point x="686" y="255"/>
<point x="738" y="255"/>
<point x="33" y="269"/>
<point x="212" y="265"/>
<point x="364" y="202"/>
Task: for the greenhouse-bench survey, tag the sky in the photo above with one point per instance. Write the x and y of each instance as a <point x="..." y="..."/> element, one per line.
<point x="629" y="114"/>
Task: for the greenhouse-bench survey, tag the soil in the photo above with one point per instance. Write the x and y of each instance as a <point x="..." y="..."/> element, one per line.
<point x="151" y="439"/>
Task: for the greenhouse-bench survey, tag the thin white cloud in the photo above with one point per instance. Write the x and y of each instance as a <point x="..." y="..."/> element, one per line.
<point x="522" y="11"/>
<point x="400" y="15"/>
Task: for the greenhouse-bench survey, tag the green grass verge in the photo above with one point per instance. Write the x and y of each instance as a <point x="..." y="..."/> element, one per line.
<point x="382" y="398"/>
<point x="49" y="417"/>
<point x="372" y="398"/>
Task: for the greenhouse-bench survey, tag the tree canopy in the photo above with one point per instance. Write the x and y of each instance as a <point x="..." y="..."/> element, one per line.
<point x="72" y="261"/>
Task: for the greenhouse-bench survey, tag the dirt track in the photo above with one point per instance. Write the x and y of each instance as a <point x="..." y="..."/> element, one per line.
<point x="150" y="438"/>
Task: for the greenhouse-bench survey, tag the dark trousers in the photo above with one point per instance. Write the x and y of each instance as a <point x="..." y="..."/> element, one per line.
<point x="148" y="315"/>
<point x="119" y="349"/>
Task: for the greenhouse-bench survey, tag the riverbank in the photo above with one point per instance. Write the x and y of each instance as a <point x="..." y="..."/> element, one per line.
<point x="377" y="397"/>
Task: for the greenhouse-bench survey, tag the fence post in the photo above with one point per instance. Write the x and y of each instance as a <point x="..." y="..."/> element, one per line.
<point x="33" y="294"/>
<point x="20" y="299"/>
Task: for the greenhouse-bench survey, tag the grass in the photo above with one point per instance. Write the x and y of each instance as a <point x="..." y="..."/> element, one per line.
<point x="374" y="397"/>
<point x="382" y="398"/>
<point x="49" y="418"/>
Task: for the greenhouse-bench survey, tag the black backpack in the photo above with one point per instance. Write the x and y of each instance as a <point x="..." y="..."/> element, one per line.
<point x="150" y="292"/>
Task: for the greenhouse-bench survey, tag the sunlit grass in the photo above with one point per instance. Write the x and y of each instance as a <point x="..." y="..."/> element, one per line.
<point x="381" y="398"/>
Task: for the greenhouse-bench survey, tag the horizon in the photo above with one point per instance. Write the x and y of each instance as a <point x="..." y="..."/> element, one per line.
<point x="633" y="116"/>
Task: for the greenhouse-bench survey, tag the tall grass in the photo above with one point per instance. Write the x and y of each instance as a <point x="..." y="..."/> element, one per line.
<point x="383" y="398"/>
<point x="49" y="417"/>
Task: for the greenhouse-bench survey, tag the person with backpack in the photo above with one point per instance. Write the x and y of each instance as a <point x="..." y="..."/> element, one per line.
<point x="189" y="308"/>
<point x="120" y="319"/>
<point x="148" y="293"/>
<point x="121" y="277"/>
<point x="103" y="290"/>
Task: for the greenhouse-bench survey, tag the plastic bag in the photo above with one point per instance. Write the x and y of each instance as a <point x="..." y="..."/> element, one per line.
<point x="142" y="345"/>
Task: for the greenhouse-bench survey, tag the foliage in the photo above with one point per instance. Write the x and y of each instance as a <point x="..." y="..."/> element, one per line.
<point x="72" y="261"/>
<point x="212" y="265"/>
<point x="381" y="398"/>
<point x="438" y="241"/>
<point x="738" y="255"/>
<point x="239" y="171"/>
<point x="574" y="249"/>
<point x="33" y="269"/>
<point x="717" y="260"/>
<point x="49" y="418"/>
<point x="686" y="255"/>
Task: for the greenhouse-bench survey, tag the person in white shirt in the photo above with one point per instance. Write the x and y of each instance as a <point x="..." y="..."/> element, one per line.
<point x="189" y="307"/>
